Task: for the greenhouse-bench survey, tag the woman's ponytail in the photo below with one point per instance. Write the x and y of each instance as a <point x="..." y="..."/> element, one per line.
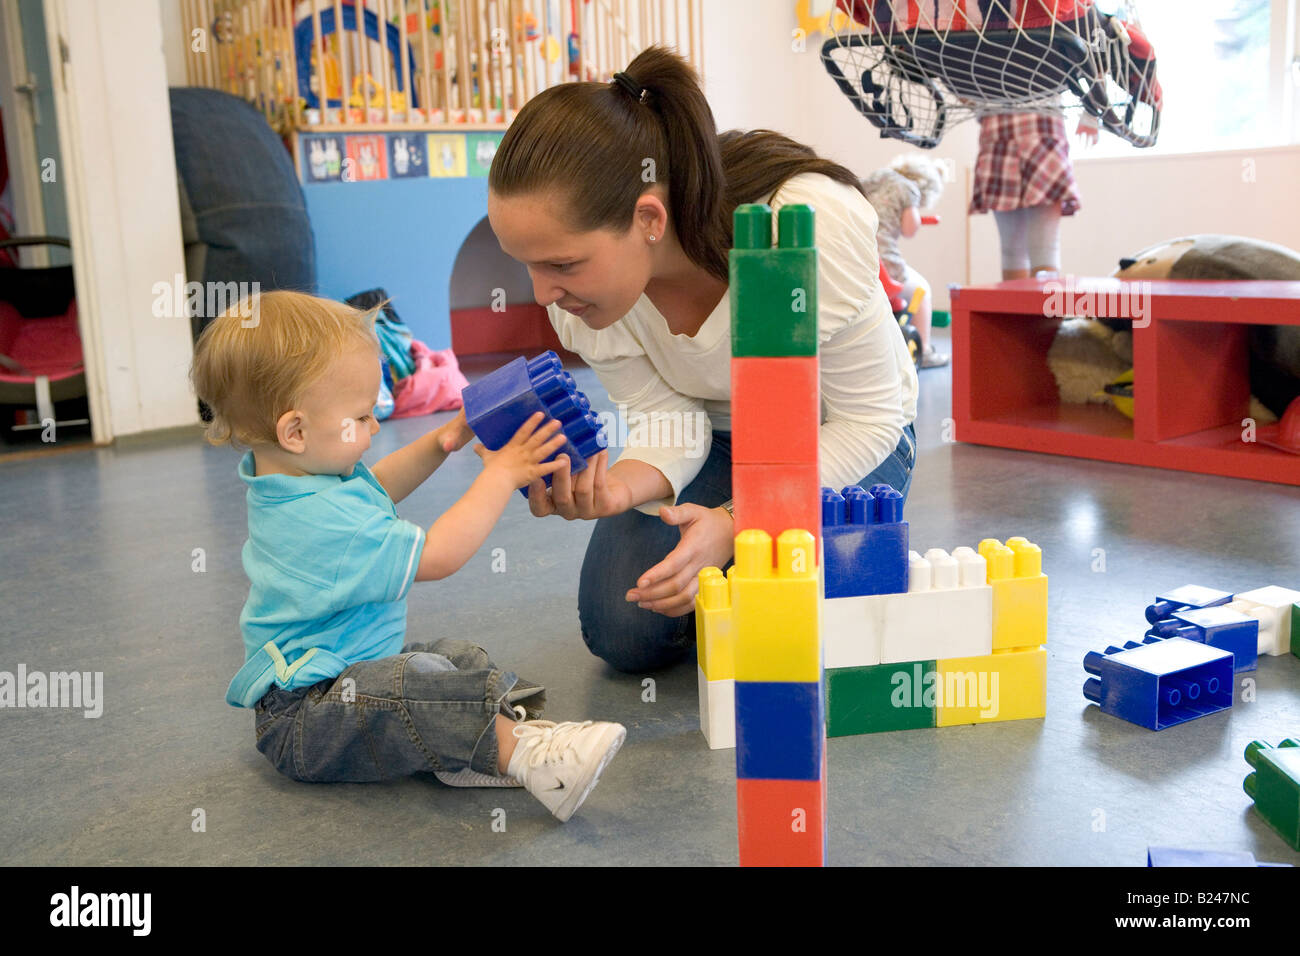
<point x="597" y="147"/>
<point x="600" y="146"/>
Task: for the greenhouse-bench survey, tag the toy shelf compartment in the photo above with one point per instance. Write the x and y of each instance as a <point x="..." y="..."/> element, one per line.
<point x="1190" y="371"/>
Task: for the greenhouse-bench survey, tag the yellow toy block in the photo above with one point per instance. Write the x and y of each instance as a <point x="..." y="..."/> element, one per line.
<point x="776" y="611"/>
<point x="1015" y="571"/>
<point x="1004" y="685"/>
<point x="714" y="639"/>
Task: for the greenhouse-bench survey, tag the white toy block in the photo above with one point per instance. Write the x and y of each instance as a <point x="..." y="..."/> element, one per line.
<point x="918" y="573"/>
<point x="717" y="711"/>
<point x="1272" y="607"/>
<point x="845" y="638"/>
<point x="943" y="573"/>
<point x="971" y="567"/>
<point x="932" y="625"/>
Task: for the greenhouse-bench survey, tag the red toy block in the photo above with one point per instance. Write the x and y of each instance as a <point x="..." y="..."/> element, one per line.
<point x="782" y="822"/>
<point x="775" y="410"/>
<point x="777" y="497"/>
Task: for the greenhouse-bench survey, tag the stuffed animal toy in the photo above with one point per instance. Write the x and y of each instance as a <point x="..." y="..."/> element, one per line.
<point x="1086" y="353"/>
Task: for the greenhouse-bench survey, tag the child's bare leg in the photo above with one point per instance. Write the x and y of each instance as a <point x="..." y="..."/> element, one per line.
<point x="506" y="741"/>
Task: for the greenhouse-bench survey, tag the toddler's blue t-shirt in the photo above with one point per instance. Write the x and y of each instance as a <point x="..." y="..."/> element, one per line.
<point x="329" y="564"/>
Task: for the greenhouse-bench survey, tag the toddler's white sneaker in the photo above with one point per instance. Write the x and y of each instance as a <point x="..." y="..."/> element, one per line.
<point x="472" y="778"/>
<point x="559" y="764"/>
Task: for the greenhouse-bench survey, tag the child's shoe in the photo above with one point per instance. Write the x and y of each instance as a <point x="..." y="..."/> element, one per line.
<point x="933" y="358"/>
<point x="472" y="778"/>
<point x="559" y="764"/>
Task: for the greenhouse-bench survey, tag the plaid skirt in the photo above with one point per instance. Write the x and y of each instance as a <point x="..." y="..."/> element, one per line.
<point x="1024" y="160"/>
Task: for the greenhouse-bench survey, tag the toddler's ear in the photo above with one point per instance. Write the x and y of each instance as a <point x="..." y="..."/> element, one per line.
<point x="289" y="432"/>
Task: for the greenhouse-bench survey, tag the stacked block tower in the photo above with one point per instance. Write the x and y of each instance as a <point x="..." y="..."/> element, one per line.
<point x="933" y="640"/>
<point x="764" y="651"/>
<point x="910" y="640"/>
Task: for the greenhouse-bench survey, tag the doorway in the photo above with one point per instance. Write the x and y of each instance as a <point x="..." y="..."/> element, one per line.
<point x="43" y="397"/>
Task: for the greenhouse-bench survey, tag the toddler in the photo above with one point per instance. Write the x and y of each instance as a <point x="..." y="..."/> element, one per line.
<point x="898" y="194"/>
<point x="337" y="696"/>
<point x="1023" y="175"/>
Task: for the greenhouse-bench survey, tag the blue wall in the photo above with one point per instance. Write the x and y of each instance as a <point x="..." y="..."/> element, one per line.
<point x="398" y="234"/>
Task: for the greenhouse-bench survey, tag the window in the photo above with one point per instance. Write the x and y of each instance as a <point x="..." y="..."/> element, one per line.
<point x="1225" y="67"/>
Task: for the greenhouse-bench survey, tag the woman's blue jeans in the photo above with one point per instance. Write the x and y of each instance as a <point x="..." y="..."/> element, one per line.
<point x="625" y="546"/>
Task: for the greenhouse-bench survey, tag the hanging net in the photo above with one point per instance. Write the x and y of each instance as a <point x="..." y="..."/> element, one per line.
<point x="914" y="68"/>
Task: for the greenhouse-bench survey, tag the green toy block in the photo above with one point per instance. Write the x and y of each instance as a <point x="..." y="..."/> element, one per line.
<point x="869" y="700"/>
<point x="940" y="319"/>
<point x="1295" y="629"/>
<point x="773" y="290"/>
<point x="1275" y="786"/>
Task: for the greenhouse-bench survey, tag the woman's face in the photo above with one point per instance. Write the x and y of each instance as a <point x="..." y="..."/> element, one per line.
<point x="598" y="275"/>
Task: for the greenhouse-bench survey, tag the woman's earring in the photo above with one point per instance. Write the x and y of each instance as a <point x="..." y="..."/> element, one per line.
<point x="652" y="238"/>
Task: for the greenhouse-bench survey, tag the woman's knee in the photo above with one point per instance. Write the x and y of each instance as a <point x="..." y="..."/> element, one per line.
<point x="634" y="640"/>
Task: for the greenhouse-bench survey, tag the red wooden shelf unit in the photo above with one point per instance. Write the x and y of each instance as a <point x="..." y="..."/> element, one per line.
<point x="1190" y="375"/>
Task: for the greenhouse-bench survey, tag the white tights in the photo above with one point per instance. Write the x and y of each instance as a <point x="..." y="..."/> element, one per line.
<point x="1031" y="238"/>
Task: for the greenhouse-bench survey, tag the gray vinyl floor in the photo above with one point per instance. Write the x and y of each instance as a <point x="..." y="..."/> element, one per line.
<point x="98" y="555"/>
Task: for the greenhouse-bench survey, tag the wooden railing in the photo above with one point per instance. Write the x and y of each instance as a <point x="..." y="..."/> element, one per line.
<point x="442" y="63"/>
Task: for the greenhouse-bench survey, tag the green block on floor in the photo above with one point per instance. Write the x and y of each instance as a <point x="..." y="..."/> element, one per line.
<point x="940" y="319"/>
<point x="773" y="290"/>
<point x="869" y="700"/>
<point x="1275" y="786"/>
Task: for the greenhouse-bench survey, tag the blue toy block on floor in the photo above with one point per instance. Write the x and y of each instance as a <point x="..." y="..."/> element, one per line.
<point x="1176" y="856"/>
<point x="780" y="730"/>
<point x="1220" y="627"/>
<point x="865" y="541"/>
<point x="497" y="405"/>
<point x="1187" y="597"/>
<point x="1160" y="684"/>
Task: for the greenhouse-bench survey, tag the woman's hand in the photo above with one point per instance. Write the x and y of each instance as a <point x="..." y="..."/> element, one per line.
<point x="708" y="541"/>
<point x="455" y="434"/>
<point x="593" y="493"/>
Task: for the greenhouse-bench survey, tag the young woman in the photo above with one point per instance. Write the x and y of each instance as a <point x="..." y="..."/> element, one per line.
<point x="618" y="198"/>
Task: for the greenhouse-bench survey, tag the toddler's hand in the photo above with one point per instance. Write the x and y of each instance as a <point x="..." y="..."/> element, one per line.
<point x="1088" y="130"/>
<point x="455" y="434"/>
<point x="524" y="457"/>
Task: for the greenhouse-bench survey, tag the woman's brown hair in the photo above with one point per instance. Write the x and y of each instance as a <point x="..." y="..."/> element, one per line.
<point x="600" y="147"/>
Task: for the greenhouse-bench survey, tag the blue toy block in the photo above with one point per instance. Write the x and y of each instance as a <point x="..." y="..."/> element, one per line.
<point x="1189" y="596"/>
<point x="1176" y="856"/>
<point x="864" y="540"/>
<point x="1160" y="684"/>
<point x="1220" y="627"/>
<point x="497" y="405"/>
<point x="780" y="730"/>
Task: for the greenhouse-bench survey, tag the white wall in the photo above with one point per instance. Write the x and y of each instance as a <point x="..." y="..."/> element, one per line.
<point x="174" y="41"/>
<point x="754" y="79"/>
<point x="120" y="170"/>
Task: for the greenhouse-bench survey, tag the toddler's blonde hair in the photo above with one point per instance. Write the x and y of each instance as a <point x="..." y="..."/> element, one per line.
<point x="254" y="361"/>
<point x="924" y="172"/>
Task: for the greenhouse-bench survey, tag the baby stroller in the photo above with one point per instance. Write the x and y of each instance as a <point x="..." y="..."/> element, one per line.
<point x="914" y="68"/>
<point x="40" y="348"/>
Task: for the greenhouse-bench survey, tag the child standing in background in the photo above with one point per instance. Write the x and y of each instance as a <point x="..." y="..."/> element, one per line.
<point x="1023" y="175"/>
<point x="899" y="194"/>
<point x="339" y="695"/>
